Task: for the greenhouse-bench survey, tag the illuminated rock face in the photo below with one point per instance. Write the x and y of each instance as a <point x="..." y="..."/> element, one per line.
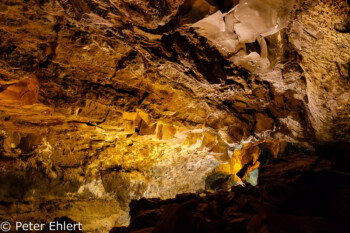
<point x="293" y="200"/>
<point x="102" y="102"/>
<point x="25" y="92"/>
<point x="261" y="18"/>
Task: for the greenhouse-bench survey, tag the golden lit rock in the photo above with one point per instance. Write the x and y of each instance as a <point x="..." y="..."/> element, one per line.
<point x="103" y="102"/>
<point x="24" y="92"/>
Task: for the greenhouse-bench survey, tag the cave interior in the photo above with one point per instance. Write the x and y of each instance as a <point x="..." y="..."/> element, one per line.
<point x="175" y="116"/>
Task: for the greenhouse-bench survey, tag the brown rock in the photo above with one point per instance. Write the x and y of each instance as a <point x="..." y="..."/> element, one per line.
<point x="25" y="92"/>
<point x="263" y="123"/>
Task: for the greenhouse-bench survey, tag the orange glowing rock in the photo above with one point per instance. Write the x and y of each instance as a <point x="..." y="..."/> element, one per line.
<point x="246" y="159"/>
<point x="165" y="131"/>
<point x="25" y="92"/>
<point x="138" y="121"/>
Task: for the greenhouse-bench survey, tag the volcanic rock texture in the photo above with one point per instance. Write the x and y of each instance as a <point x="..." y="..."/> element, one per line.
<point x="287" y="200"/>
<point x="104" y="101"/>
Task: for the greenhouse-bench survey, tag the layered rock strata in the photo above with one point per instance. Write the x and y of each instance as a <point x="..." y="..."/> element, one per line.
<point x="102" y="102"/>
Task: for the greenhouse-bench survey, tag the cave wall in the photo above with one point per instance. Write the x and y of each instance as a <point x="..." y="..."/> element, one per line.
<point x="106" y="101"/>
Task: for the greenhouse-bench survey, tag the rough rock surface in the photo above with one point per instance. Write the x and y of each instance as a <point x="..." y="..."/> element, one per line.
<point x="104" y="101"/>
<point x="299" y="193"/>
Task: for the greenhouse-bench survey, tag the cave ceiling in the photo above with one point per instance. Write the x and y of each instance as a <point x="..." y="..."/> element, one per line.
<point x="104" y="101"/>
